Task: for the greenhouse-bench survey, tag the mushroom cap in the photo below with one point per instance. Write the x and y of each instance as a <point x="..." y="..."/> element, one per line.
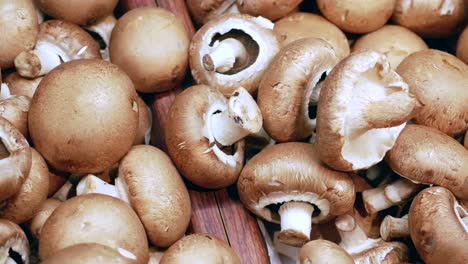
<point x="462" y="46"/>
<point x="396" y="42"/>
<point x="88" y="253"/>
<point x="13" y="238"/>
<point x="440" y="81"/>
<point x="84" y="116"/>
<point x="149" y="175"/>
<point x="431" y="18"/>
<point x="204" y="10"/>
<point x="15" y="110"/>
<point x="293" y="172"/>
<point x="19" y="29"/>
<point x="94" y="218"/>
<point x="19" y="85"/>
<point x="200" y="248"/>
<point x="42" y="214"/>
<point x="256" y="35"/>
<point x="272" y="10"/>
<point x="25" y="203"/>
<point x="307" y="25"/>
<point x="383" y="252"/>
<point x="82" y="12"/>
<point x="414" y="158"/>
<point x="144" y="122"/>
<point x="151" y="46"/>
<point x="358" y="16"/>
<point x="287" y="84"/>
<point x="436" y="228"/>
<point x="189" y="145"/>
<point x="323" y="251"/>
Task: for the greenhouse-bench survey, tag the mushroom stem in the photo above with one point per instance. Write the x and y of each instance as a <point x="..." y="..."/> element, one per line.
<point x="353" y="238"/>
<point x="383" y="197"/>
<point x="296" y="223"/>
<point x="224" y="55"/>
<point x="4" y="91"/>
<point x="393" y="227"/>
<point x="241" y="118"/>
<point x="104" y="29"/>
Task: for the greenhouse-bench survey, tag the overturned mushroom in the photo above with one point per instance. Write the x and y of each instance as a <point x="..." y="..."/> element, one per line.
<point x="89" y="253"/>
<point x="203" y="11"/>
<point x="15" y="110"/>
<point x="323" y="251"/>
<point x="14" y="245"/>
<point x="272" y="10"/>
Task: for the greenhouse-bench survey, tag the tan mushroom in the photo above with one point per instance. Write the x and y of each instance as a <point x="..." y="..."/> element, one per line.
<point x="322" y="251"/>
<point x="203" y="11"/>
<point x="17" y="85"/>
<point x="462" y="46"/>
<point x="14" y="245"/>
<point x="287" y="184"/>
<point x="290" y="84"/>
<point x="436" y="227"/>
<point x="42" y="214"/>
<point x="57" y="42"/>
<point x="88" y="253"/>
<point x="200" y="248"/>
<point x="271" y="10"/>
<point x="15" y="110"/>
<point x="19" y="29"/>
<point x="231" y="51"/>
<point x="363" y="106"/>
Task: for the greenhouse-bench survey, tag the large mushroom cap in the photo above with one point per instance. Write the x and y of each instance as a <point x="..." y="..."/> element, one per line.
<point x="88" y="253"/>
<point x="13" y="239"/>
<point x="272" y="10"/>
<point x="323" y="251"/>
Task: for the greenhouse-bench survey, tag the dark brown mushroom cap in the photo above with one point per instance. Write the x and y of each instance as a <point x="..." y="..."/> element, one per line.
<point x="189" y="145"/>
<point x="383" y="252"/>
<point x="22" y="86"/>
<point x="272" y="10"/>
<point x="462" y="46"/>
<point x="204" y="10"/>
<point x="80" y="12"/>
<point x="414" y="157"/>
<point x="13" y="237"/>
<point x="94" y="218"/>
<point x="15" y="110"/>
<point x="293" y="172"/>
<point x="200" y="248"/>
<point x="88" y="253"/>
<point x="287" y="84"/>
<point x="437" y="231"/>
<point x="440" y="81"/>
<point x="322" y="252"/>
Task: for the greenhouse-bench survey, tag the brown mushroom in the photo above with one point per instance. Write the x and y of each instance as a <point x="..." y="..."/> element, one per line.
<point x="200" y="248"/>
<point x="14" y="245"/>
<point x="151" y="46"/>
<point x="290" y="84"/>
<point x="15" y="110"/>
<point x="203" y="11"/>
<point x="436" y="227"/>
<point x="462" y="46"/>
<point x="272" y="10"/>
<point x="57" y="42"/>
<point x="17" y="85"/>
<point x="363" y="106"/>
<point x="145" y="123"/>
<point x="19" y="29"/>
<point x="322" y="251"/>
<point x="393" y="228"/>
<point x="42" y="214"/>
<point x="287" y="184"/>
<point x="231" y="51"/>
<point x="88" y="253"/>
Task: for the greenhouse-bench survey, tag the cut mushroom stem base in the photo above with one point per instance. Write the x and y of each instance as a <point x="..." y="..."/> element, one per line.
<point x="224" y="55"/>
<point x="296" y="223"/>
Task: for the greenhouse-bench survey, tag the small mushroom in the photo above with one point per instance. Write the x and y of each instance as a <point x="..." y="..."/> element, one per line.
<point x="145" y="122"/>
<point x="290" y="84"/>
<point x="14" y="245"/>
<point x="89" y="253"/>
<point x="287" y="184"/>
<point x="393" y="228"/>
<point x="436" y="227"/>
<point x="203" y="11"/>
<point x="322" y="252"/>
<point x="15" y="110"/>
<point x="363" y="106"/>
<point x="462" y="46"/>
<point x="200" y="248"/>
<point x="271" y="10"/>
<point x="413" y="157"/>
<point x="231" y="51"/>
<point x="206" y="134"/>
<point x="42" y="214"/>
<point x="18" y="85"/>
<point x="57" y="42"/>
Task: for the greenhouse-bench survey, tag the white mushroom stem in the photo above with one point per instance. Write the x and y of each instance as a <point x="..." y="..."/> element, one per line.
<point x="261" y="139"/>
<point x="393" y="227"/>
<point x="296" y="222"/>
<point x="104" y="29"/>
<point x="353" y="238"/>
<point x="241" y="118"/>
<point x="92" y="184"/>
<point x="224" y="55"/>
<point x="383" y="197"/>
<point x="5" y="91"/>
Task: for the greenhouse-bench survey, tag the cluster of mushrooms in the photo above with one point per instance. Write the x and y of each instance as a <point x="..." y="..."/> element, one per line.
<point x="341" y="125"/>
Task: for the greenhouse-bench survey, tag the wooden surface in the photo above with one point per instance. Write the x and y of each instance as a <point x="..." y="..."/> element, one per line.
<point x="219" y="213"/>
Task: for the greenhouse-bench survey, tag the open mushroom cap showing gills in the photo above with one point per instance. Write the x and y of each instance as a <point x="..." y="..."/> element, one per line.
<point x="290" y="84"/>
<point x="436" y="227"/>
<point x="14" y="245"/>
<point x="232" y="50"/>
<point x="288" y="184"/>
<point x="363" y="106"/>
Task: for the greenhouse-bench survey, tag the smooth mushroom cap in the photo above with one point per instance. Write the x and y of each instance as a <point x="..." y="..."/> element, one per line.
<point x="272" y="10"/>
<point x="13" y="238"/>
<point x="15" y="110"/>
<point x="287" y="85"/>
<point x="293" y="172"/>
<point x="462" y="46"/>
<point x="395" y="42"/>
<point x="358" y="16"/>
<point x="200" y="248"/>
<point x="436" y="228"/>
<point x="431" y="18"/>
<point x="82" y="12"/>
<point x="306" y="25"/>
<point x="97" y="121"/>
<point x="322" y="252"/>
<point x="149" y="174"/>
<point x="204" y="10"/>
<point x="440" y="81"/>
<point x="42" y="214"/>
<point x="21" y="86"/>
<point x="414" y="158"/>
<point x="144" y="122"/>
<point x="94" y="218"/>
<point x="151" y="46"/>
<point x="19" y="29"/>
<point x="88" y="253"/>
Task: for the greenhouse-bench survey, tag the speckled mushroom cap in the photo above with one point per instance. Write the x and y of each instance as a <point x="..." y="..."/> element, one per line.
<point x="414" y="158"/>
<point x="436" y="227"/>
<point x="323" y="251"/>
<point x="293" y="172"/>
<point x="396" y="42"/>
<point x="256" y="35"/>
<point x="15" y="110"/>
<point x="462" y="46"/>
<point x="204" y="10"/>
<point x="88" y="253"/>
<point x="13" y="238"/>
<point x="200" y="248"/>
<point x="18" y="85"/>
<point x="287" y="85"/>
<point x="363" y="106"/>
<point x="272" y="10"/>
<point x="440" y="81"/>
<point x="431" y="18"/>
<point x="307" y="25"/>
